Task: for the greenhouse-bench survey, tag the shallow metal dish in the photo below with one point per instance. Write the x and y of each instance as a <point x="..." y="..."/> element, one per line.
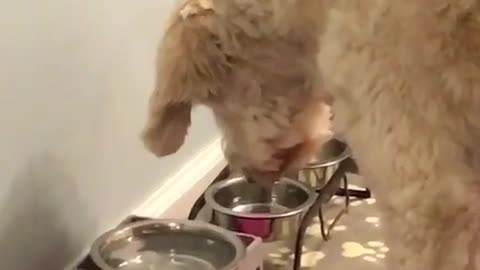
<point x="331" y="153"/>
<point x="319" y="170"/>
<point x="168" y="245"/>
<point x="244" y="206"/>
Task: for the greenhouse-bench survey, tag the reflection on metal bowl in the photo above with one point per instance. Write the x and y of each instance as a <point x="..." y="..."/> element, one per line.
<point x="168" y="245"/>
<point x="324" y="164"/>
<point x="243" y="206"/>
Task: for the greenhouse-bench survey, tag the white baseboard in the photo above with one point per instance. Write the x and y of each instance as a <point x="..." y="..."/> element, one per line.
<point x="175" y="198"/>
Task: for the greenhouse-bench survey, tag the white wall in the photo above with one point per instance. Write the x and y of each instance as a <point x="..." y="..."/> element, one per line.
<point x="75" y="76"/>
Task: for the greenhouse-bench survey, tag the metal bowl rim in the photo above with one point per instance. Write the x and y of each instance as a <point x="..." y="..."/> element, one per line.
<point x="213" y="189"/>
<point x="240" y="249"/>
<point x="331" y="161"/>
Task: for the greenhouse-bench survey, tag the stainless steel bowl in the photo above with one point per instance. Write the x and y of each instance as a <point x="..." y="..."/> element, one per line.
<point x="244" y="206"/>
<point x="168" y="245"/>
<point x="323" y="166"/>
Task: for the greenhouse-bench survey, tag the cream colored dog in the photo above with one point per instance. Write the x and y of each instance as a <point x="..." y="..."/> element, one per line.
<point x="404" y="77"/>
<point x="254" y="64"/>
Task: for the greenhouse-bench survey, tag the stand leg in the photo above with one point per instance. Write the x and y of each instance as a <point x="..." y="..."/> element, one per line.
<point x="306" y="220"/>
<point x="347" y="193"/>
<point x="326" y="230"/>
<point x="351" y="167"/>
<point x="297" y="256"/>
<point x="323" y="229"/>
<point x="360" y="194"/>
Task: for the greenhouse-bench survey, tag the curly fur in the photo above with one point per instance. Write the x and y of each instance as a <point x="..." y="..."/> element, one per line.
<point x="406" y="76"/>
<point x="253" y="63"/>
<point x="405" y="81"/>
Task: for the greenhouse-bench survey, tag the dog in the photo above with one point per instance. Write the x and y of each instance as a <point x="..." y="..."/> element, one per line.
<point x="402" y="79"/>
<point x="405" y="79"/>
<point x="254" y="64"/>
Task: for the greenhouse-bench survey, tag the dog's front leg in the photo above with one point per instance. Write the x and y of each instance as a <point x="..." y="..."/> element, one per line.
<point x="428" y="240"/>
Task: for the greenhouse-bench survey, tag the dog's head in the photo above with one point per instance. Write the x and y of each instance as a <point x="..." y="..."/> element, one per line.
<point x="192" y="67"/>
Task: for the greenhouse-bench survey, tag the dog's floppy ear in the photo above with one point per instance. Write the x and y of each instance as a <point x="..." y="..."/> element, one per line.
<point x="167" y="128"/>
<point x="190" y="68"/>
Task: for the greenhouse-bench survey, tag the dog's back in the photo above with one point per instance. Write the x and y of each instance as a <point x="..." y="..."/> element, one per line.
<point x="406" y="75"/>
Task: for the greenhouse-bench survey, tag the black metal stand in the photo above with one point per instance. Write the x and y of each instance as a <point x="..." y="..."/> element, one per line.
<point x="360" y="194"/>
<point x="351" y="167"/>
<point x="331" y="188"/>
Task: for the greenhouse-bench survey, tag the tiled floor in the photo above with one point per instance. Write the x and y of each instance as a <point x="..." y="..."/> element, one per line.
<point x="356" y="241"/>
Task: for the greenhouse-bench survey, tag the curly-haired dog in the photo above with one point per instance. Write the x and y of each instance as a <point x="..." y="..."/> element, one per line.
<point x="254" y="64"/>
<point x="403" y="77"/>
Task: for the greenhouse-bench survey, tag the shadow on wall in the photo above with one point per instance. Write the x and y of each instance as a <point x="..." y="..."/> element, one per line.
<point x="37" y="216"/>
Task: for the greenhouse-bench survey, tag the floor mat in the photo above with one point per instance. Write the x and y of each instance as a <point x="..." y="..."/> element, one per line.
<point x="356" y="241"/>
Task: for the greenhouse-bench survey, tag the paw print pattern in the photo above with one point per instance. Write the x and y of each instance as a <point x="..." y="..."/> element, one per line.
<point x="285" y="255"/>
<point x="372" y="252"/>
<point x="375" y="221"/>
<point x="282" y="256"/>
<point x="311" y="258"/>
<point x="371" y="201"/>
